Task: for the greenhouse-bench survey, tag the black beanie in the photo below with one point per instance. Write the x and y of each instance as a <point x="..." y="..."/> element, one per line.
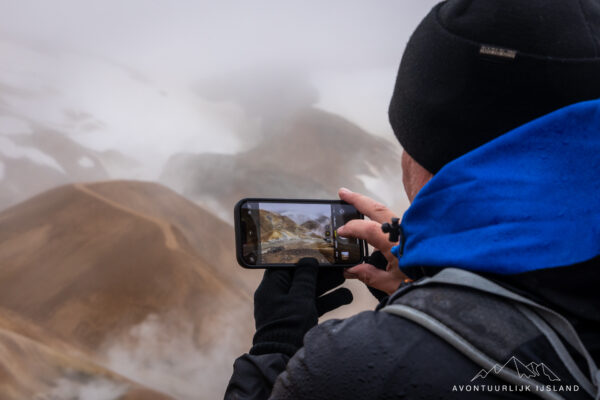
<point x="475" y="69"/>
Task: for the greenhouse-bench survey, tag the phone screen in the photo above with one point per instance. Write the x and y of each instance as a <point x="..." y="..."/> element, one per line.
<point x="284" y="232"/>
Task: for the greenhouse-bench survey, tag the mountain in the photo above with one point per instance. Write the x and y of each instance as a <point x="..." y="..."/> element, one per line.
<point x="48" y="367"/>
<point x="531" y="370"/>
<point x="42" y="159"/>
<point x="274" y="226"/>
<point x="310" y="154"/>
<point x="129" y="276"/>
<point x="318" y="226"/>
<point x="118" y="164"/>
<point x="211" y="238"/>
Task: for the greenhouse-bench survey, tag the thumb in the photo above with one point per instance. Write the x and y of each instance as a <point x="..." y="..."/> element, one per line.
<point x="305" y="278"/>
<point x="374" y="277"/>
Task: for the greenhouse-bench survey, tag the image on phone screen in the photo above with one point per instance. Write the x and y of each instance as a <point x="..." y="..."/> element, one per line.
<point x="285" y="232"/>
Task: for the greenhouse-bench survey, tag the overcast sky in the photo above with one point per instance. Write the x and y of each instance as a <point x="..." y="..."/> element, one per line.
<point x="348" y="50"/>
<point x="191" y="37"/>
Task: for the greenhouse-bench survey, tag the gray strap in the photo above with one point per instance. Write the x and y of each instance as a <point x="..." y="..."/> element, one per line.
<point x="459" y="277"/>
<point x="559" y="348"/>
<point x="466" y="348"/>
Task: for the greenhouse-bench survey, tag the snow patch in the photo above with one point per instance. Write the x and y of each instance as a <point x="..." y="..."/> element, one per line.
<point x="11" y="150"/>
<point x="86" y="162"/>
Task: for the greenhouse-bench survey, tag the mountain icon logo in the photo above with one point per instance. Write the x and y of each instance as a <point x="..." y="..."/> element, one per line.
<point x="530" y="370"/>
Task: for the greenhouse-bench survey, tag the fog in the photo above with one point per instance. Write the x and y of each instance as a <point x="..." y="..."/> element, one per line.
<point x="162" y="353"/>
<point x="96" y="389"/>
<point x="131" y="75"/>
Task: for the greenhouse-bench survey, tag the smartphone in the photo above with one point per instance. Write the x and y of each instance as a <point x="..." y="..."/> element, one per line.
<point x="279" y="232"/>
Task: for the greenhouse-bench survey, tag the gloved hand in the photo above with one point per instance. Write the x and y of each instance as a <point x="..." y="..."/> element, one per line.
<point x="288" y="302"/>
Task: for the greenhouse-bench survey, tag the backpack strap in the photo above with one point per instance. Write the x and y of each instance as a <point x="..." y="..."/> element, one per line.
<point x="545" y="319"/>
<point x="562" y="352"/>
<point x="466" y="348"/>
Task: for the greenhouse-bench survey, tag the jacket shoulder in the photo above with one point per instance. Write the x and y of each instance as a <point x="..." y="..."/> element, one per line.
<point x="368" y="356"/>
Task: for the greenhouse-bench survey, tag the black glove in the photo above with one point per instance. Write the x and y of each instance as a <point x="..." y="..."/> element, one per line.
<point x="288" y="302"/>
<point x="378" y="260"/>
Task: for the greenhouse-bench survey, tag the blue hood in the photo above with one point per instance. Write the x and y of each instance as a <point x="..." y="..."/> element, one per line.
<point x="528" y="200"/>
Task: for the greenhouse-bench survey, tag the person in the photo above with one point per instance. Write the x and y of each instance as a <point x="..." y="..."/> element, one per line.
<point x="497" y="107"/>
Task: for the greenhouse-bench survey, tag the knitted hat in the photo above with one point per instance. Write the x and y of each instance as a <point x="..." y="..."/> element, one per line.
<point x="475" y="69"/>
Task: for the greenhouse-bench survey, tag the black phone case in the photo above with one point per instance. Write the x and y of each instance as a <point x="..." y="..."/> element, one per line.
<point x="238" y="235"/>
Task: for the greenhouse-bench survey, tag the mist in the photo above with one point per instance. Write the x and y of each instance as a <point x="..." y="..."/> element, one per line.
<point x="162" y="353"/>
<point x="140" y="77"/>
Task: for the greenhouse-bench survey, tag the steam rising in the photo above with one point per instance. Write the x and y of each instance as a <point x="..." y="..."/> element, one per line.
<point x="166" y="354"/>
<point x="95" y="389"/>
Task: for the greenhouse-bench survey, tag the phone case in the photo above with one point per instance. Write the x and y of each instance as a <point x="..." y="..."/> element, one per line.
<point x="238" y="236"/>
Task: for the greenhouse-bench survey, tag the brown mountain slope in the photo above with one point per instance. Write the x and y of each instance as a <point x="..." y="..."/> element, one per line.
<point x="211" y="239"/>
<point x="274" y="226"/>
<point x="98" y="265"/>
<point x="30" y="370"/>
<point x="84" y="266"/>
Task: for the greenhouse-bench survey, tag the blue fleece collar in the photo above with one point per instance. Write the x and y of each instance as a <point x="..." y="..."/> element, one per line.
<point x="528" y="200"/>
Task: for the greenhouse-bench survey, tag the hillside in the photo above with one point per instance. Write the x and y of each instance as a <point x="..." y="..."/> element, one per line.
<point x="274" y="226"/>
<point x="40" y="159"/>
<point x="310" y="154"/>
<point x="29" y="368"/>
<point x="121" y="271"/>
